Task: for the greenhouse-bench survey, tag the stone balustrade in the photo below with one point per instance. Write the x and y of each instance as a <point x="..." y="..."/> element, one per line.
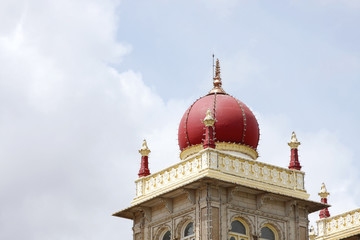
<point x="216" y="164"/>
<point x="339" y="226"/>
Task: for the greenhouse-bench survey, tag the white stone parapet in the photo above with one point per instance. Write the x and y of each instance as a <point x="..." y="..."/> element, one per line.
<point x="340" y="226"/>
<point x="219" y="165"/>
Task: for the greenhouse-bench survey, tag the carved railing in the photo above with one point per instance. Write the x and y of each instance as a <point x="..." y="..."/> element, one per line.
<point x="339" y="223"/>
<point x="210" y="161"/>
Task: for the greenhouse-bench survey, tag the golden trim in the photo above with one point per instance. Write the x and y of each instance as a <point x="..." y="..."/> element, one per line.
<point x="221" y="146"/>
<point x="224" y="146"/>
<point x="191" y="150"/>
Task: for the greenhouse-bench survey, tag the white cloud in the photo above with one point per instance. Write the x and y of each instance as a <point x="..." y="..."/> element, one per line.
<point x="69" y="122"/>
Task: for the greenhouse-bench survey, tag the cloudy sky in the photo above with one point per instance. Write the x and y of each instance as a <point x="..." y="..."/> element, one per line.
<point x="83" y="82"/>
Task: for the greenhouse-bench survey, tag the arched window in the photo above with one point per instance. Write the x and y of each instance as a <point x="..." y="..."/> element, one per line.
<point x="188" y="232"/>
<point x="239" y="230"/>
<point x="268" y="232"/>
<point x="166" y="236"/>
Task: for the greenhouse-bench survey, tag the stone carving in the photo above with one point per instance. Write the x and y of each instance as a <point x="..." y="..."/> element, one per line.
<point x="168" y="202"/>
<point x="275" y="175"/>
<point x="213" y="160"/>
<point x="226" y="164"/>
<point x="289" y="207"/>
<point x="339" y="222"/>
<point x="266" y="173"/>
<point x="160" y="230"/>
<point x="256" y="170"/>
<point x="139" y="188"/>
<point x="184" y="220"/>
<point x="237" y="165"/>
<point x="300" y="181"/>
<point x="190" y="195"/>
<point x="147" y="213"/>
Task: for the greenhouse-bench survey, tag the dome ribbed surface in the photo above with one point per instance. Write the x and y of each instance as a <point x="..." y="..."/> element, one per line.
<point x="235" y="122"/>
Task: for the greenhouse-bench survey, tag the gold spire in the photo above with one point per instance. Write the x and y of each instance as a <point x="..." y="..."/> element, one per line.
<point x="144" y="151"/>
<point x="217" y="80"/>
<point x="294" y="143"/>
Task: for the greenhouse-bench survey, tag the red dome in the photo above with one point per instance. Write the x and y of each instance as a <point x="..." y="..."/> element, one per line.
<point x="235" y="122"/>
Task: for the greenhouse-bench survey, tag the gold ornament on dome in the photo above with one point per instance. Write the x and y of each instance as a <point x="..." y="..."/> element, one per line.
<point x="221" y="146"/>
<point x="217" y="81"/>
<point x="209" y="121"/>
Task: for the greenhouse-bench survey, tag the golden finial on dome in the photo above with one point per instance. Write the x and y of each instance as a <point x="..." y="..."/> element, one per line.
<point x="217" y="80"/>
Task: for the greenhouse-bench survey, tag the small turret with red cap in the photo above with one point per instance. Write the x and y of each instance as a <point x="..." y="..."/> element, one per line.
<point x="294" y="159"/>
<point x="144" y="168"/>
<point x="324" y="195"/>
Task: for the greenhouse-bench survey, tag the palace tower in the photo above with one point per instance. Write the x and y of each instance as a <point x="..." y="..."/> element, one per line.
<point x="218" y="190"/>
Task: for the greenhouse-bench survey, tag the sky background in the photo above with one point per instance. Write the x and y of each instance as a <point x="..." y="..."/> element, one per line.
<point x="83" y="82"/>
